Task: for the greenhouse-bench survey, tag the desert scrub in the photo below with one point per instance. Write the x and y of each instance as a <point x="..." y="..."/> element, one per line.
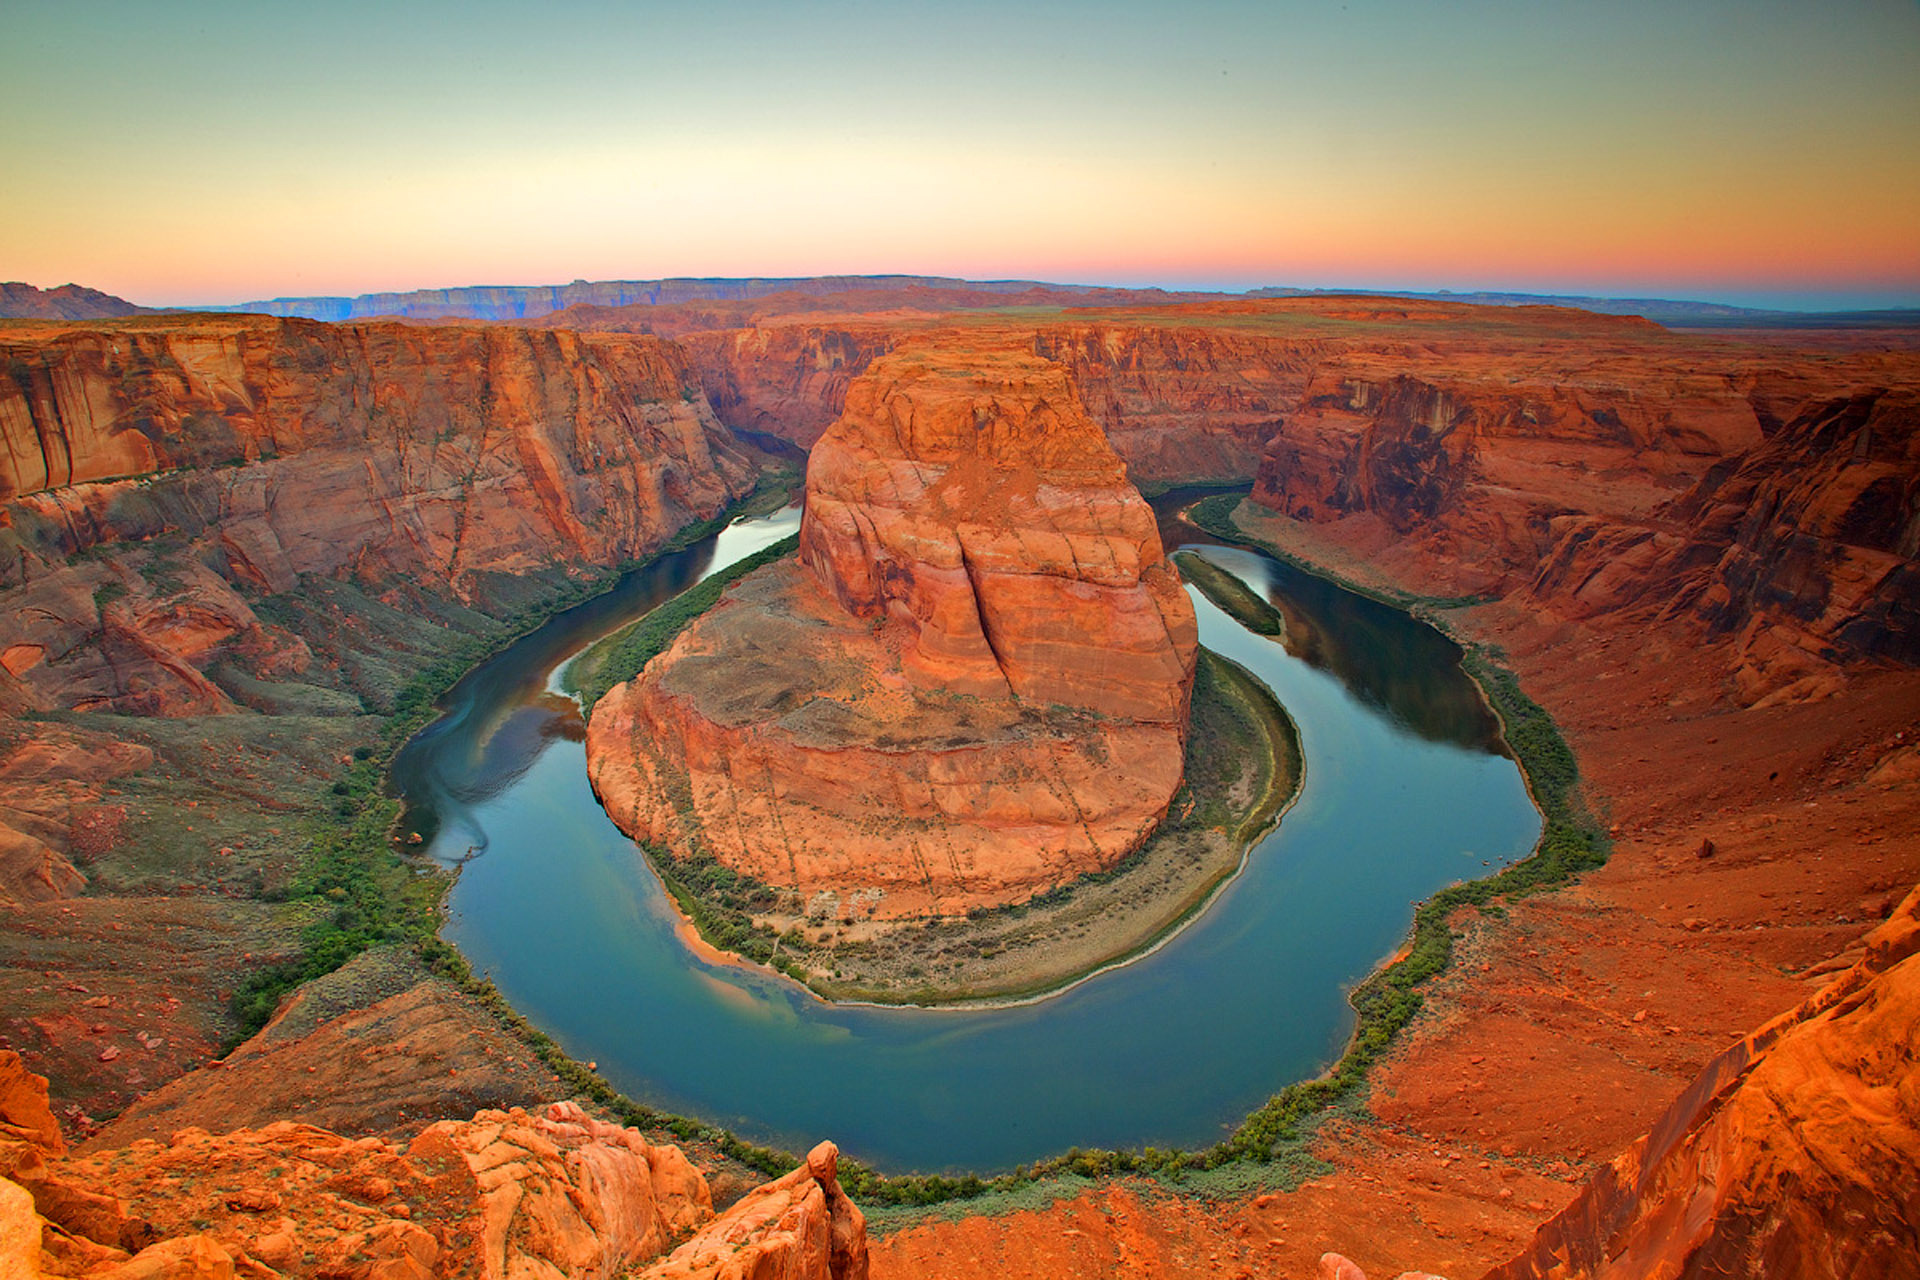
<point x="357" y="890"/>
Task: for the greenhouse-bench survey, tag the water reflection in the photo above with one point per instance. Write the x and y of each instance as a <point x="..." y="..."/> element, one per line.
<point x="502" y="715"/>
<point x="1387" y="659"/>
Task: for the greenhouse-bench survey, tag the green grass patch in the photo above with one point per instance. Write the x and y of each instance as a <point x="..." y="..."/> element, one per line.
<point x="371" y="896"/>
<point x="619" y="657"/>
<point x="364" y="891"/>
<point x="1271" y="1143"/>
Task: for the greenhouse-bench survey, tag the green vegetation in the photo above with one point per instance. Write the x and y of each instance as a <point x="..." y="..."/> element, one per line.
<point x="367" y="893"/>
<point x="1242" y="767"/>
<point x="619" y="657"/>
<point x="443" y="959"/>
<point x="1232" y="595"/>
<point x="1271" y="1142"/>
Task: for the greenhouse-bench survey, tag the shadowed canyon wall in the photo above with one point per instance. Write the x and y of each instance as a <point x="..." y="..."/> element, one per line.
<point x="1588" y="462"/>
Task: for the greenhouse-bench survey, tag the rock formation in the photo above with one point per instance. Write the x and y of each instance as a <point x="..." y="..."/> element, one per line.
<point x="507" y="1195"/>
<point x="800" y="1224"/>
<point x="973" y="686"/>
<point x="788" y="380"/>
<point x="159" y="476"/>
<point x="1803" y="550"/>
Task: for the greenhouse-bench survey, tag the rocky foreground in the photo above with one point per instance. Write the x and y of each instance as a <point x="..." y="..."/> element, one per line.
<point x="506" y="1194"/>
<point x="973" y="687"/>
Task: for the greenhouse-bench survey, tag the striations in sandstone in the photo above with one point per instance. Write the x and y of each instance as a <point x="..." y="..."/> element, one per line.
<point x="158" y="477"/>
<point x="972" y="687"/>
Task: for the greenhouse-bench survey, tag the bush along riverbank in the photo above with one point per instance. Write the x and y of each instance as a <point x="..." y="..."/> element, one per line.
<point x="619" y="657"/>
<point x="1270" y="1146"/>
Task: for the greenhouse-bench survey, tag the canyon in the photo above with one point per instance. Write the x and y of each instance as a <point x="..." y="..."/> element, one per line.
<point x="1696" y="550"/>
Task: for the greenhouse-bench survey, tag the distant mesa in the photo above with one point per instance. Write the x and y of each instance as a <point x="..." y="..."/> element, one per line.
<point x="973" y="686"/>
<point x="528" y="302"/>
<point x="20" y="301"/>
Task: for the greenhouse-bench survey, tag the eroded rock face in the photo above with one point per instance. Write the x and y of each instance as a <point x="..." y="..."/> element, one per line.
<point x="800" y="1225"/>
<point x="1791" y="1154"/>
<point x="970" y="500"/>
<point x="787" y="380"/>
<point x="158" y="476"/>
<point x="507" y="1195"/>
<point x="1804" y="547"/>
<point x="974" y="685"/>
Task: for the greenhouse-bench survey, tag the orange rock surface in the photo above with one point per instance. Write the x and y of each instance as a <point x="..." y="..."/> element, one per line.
<point x="1693" y="542"/>
<point x="799" y="1225"/>
<point x="197" y="460"/>
<point x="1791" y="1154"/>
<point x="507" y="1195"/>
<point x="973" y="687"/>
<point x="1550" y="396"/>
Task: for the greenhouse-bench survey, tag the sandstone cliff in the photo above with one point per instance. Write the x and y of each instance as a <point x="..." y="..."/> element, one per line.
<point x="973" y="687"/>
<point x="1803" y="551"/>
<point x="507" y="1195"/>
<point x="161" y="476"/>
<point x="787" y="380"/>
<point x="1195" y="392"/>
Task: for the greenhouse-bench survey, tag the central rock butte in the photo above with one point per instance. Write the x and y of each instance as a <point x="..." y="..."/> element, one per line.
<point x="972" y="687"/>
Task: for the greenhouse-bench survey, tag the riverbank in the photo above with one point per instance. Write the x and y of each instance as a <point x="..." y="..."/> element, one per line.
<point x="1243" y="769"/>
<point x="1242" y="605"/>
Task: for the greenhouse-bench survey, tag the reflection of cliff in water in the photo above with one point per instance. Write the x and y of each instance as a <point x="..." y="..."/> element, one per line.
<point x="1386" y="658"/>
<point x="500" y="715"/>
<point x="516" y="742"/>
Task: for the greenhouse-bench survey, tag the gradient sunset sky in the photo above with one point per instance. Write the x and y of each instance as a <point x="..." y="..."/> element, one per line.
<point x="1755" y="152"/>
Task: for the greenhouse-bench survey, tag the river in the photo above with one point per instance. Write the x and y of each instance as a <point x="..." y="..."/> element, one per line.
<point x="1405" y="791"/>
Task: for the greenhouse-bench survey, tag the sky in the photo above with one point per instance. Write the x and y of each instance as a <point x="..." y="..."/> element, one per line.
<point x="1755" y="152"/>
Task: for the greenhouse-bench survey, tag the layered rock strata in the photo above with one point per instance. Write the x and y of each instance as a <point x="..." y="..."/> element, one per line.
<point x="973" y="685"/>
<point x="1803" y="551"/>
<point x="158" y="476"/>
